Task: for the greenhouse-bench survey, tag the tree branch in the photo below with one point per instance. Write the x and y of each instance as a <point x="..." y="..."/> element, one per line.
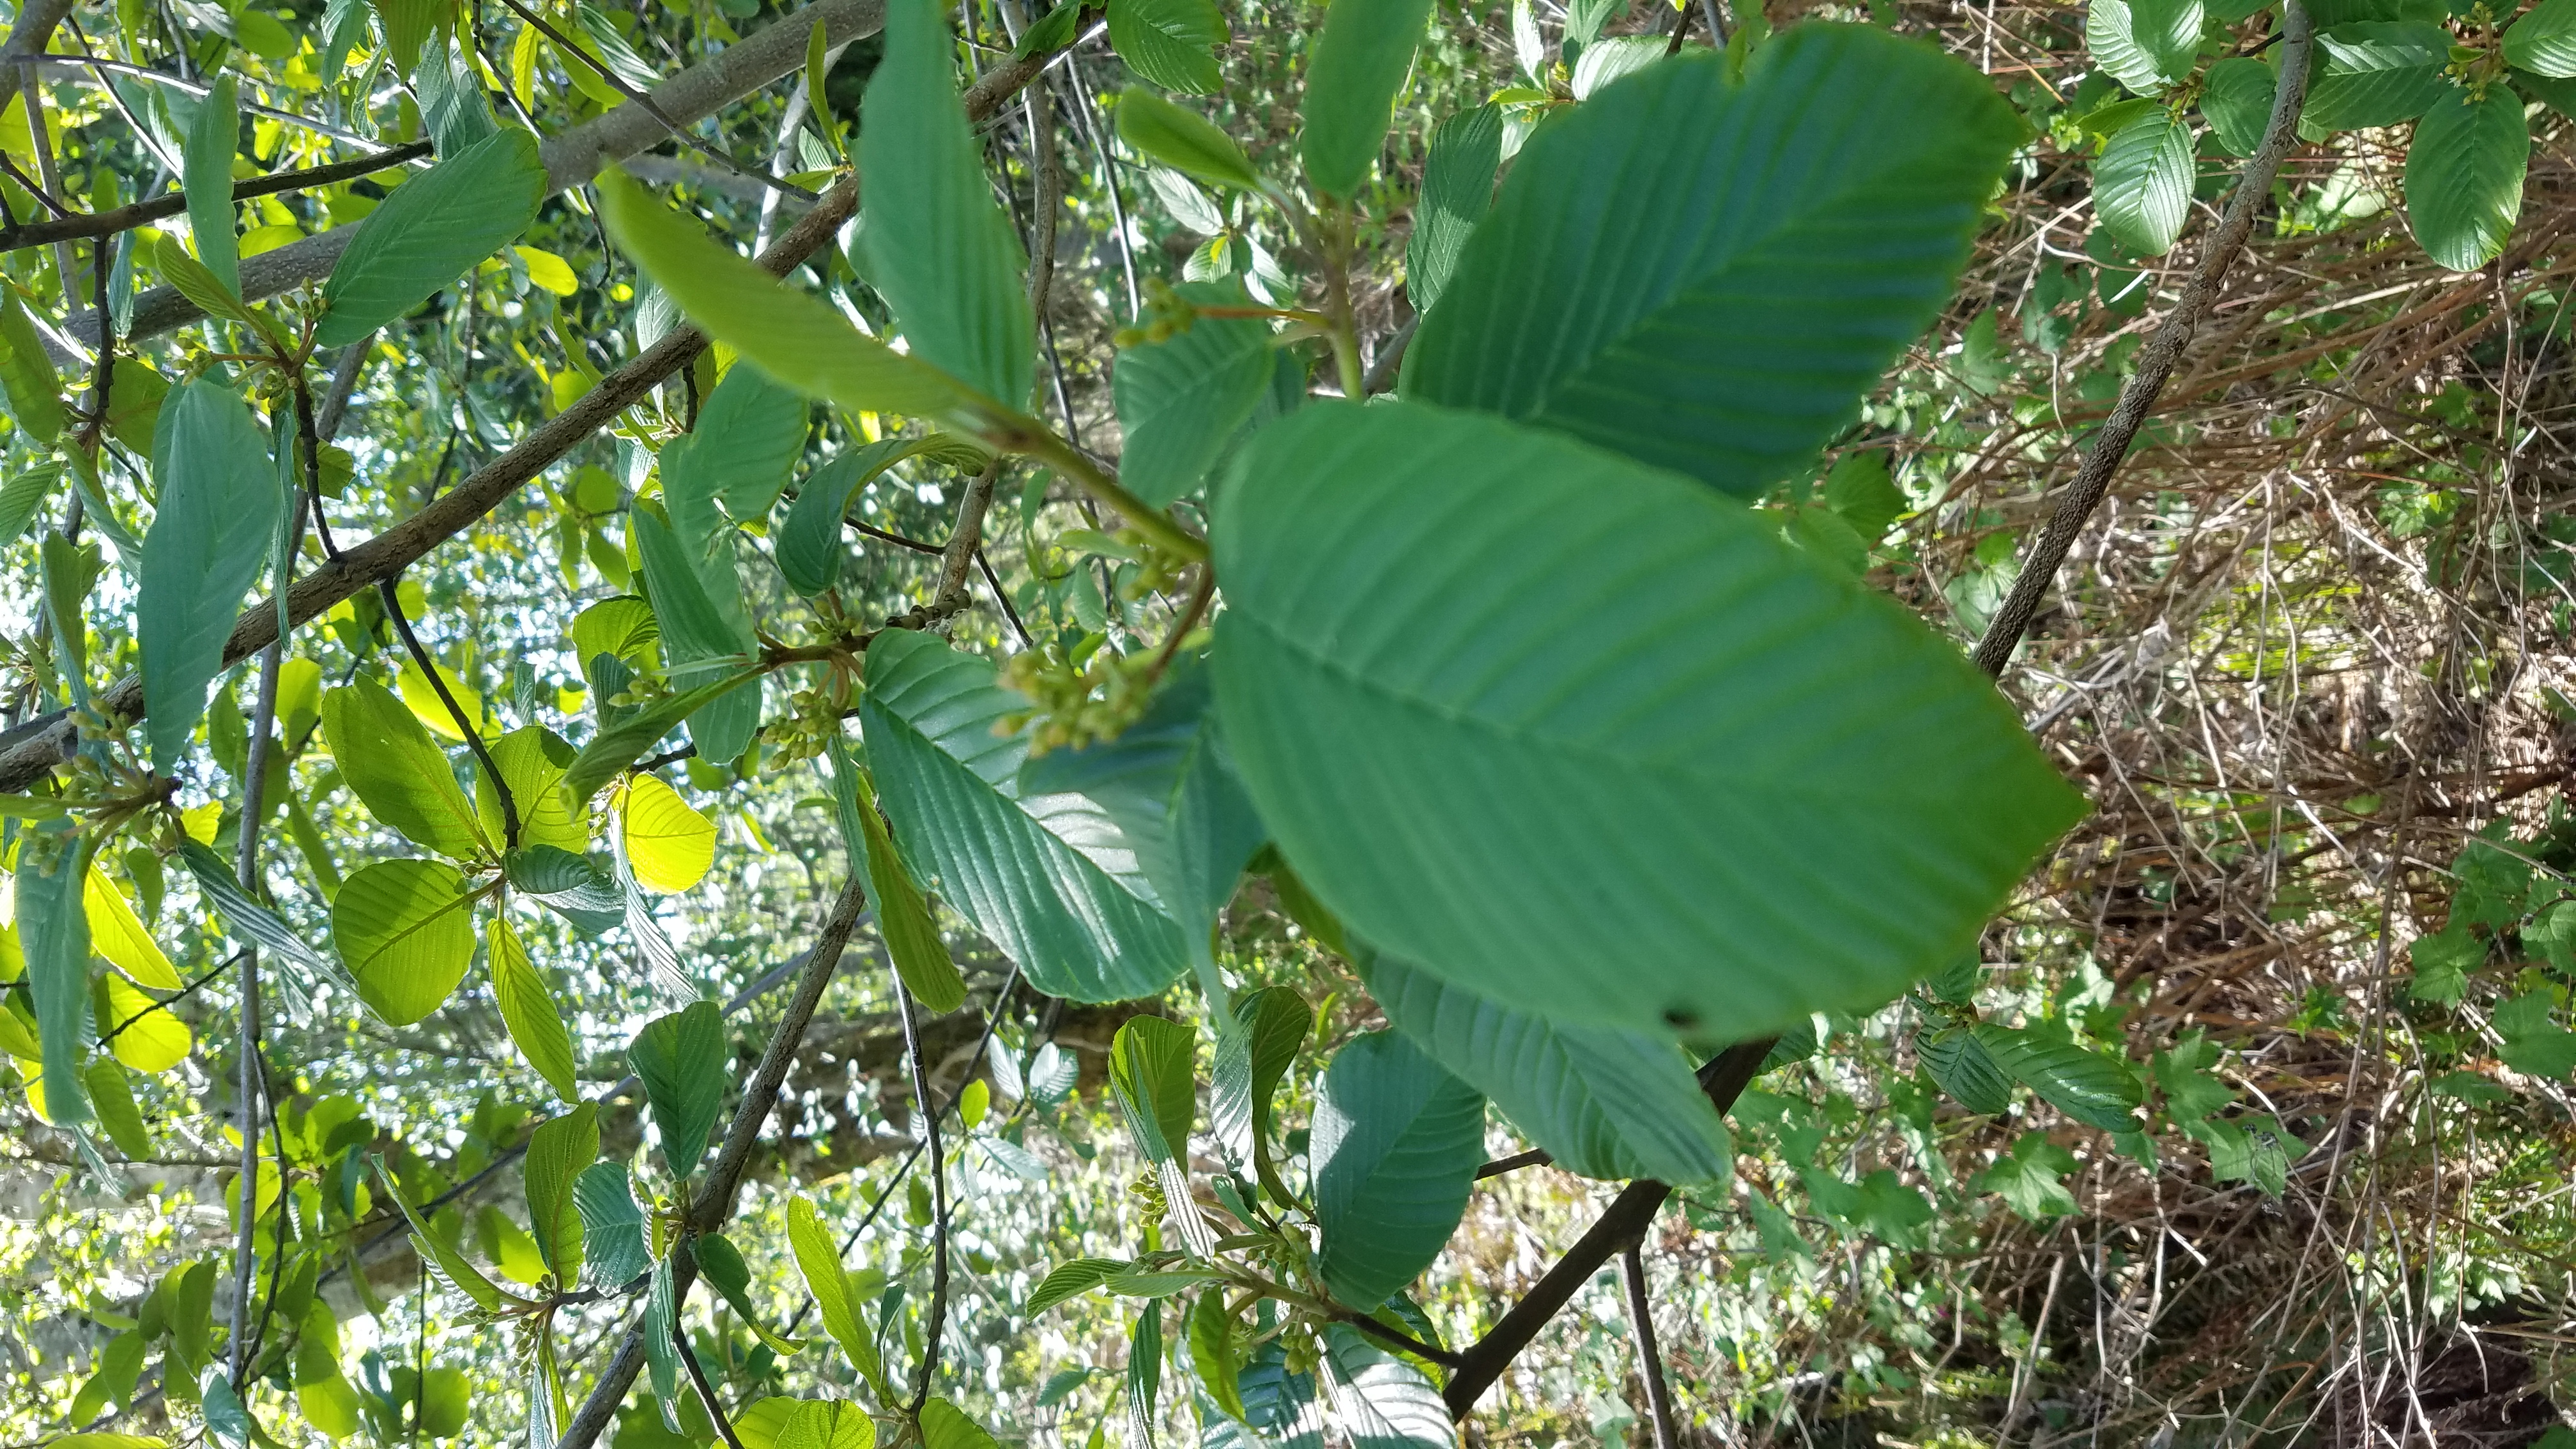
<point x="1724" y="1078"/>
<point x="2156" y="362"/>
<point x="143" y="213"/>
<point x="1641" y="1309"/>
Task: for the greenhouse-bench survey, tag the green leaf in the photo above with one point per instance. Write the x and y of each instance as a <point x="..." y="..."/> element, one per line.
<point x="431" y="230"/>
<point x="2236" y="99"/>
<point x="1170" y="791"/>
<point x="206" y="175"/>
<point x="702" y="620"/>
<point x="683" y="1062"/>
<point x="818" y="1258"/>
<point x="721" y="1264"/>
<point x="2375" y="73"/>
<point x="27" y="372"/>
<point x="220" y="502"/>
<point x="809" y="541"/>
<point x="1169" y="43"/>
<point x="23" y="494"/>
<point x="461" y="1275"/>
<point x="2145" y="45"/>
<point x="1083" y="926"/>
<point x="1153" y="1065"/>
<point x="528" y="1009"/>
<point x="559" y="1152"/>
<point x="2191" y="1090"/>
<point x="945" y="1426"/>
<point x="532" y="760"/>
<point x="826" y="1423"/>
<point x="2534" y="1044"/>
<point x="2464" y="177"/>
<point x="1622" y="780"/>
<point x="1859" y="489"/>
<point x="1352" y="75"/>
<point x="613" y="749"/>
<point x="1605" y="61"/>
<point x="1397" y="1141"/>
<point x="1213" y="1355"/>
<point x="1053" y="32"/>
<point x="749" y="433"/>
<point x="1644" y="285"/>
<point x="1183" y="140"/>
<point x="661" y="1338"/>
<point x="249" y="920"/>
<point x="1604" y="1102"/>
<point x="920" y="954"/>
<point x="1960" y="1064"/>
<point x="2543" y="41"/>
<point x="405" y="928"/>
<point x="938" y="248"/>
<point x="1180" y="400"/>
<point x="112" y="1097"/>
<point x="1457" y="191"/>
<point x="1072" y="1279"/>
<point x="791" y="335"/>
<point x="669" y="845"/>
<point x="200" y="286"/>
<point x="612" y="1226"/>
<point x="1249" y="1065"/>
<point x="2086" y="1085"/>
<point x="1379" y="1401"/>
<point x="2142" y="184"/>
<point x="2030" y="1178"/>
<point x="1144" y="1374"/>
<point x="398" y="771"/>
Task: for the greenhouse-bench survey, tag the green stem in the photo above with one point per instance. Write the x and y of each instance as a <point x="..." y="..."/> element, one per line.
<point x="1037" y="442"/>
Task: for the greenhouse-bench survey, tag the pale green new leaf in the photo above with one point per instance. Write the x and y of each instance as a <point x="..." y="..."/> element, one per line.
<point x="559" y="1152"/>
<point x="1183" y="140"/>
<point x="2142" y="184"/>
<point x="2146" y="45"/>
<point x="431" y="230"/>
<point x="793" y="336"/>
<point x="1170" y="43"/>
<point x="206" y="176"/>
<point x="1608" y="754"/>
<point x="1046" y="878"/>
<point x="529" y="1011"/>
<point x="461" y="1275"/>
<point x="532" y="760"/>
<point x="2464" y="177"/>
<point x="27" y="373"/>
<point x="1179" y="400"/>
<point x="945" y="1426"/>
<point x="938" y="248"/>
<point x="1708" y="276"/>
<point x="386" y="755"/>
<point x="826" y="1424"/>
<point x="1071" y="1279"/>
<point x="220" y="501"/>
<point x="921" y="957"/>
<point x="682" y="1059"/>
<point x="818" y="1258"/>
<point x="405" y="928"/>
<point x="1457" y="191"/>
<point x="1605" y="1102"/>
<point x="1352" y="75"/>
<point x="1397" y="1141"/>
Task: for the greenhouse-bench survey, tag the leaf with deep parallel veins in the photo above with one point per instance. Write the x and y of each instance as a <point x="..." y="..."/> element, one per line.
<point x="1397" y="1141"/>
<point x="399" y="773"/>
<point x="405" y="928"/>
<point x="1608" y="753"/>
<point x="430" y="231"/>
<point x="1179" y="400"/>
<point x="2145" y="45"/>
<point x="1708" y="276"/>
<point x="1457" y="191"/>
<point x="2142" y="184"/>
<point x="2464" y="176"/>
<point x="2374" y="73"/>
<point x="559" y="1152"/>
<point x="220" y="501"/>
<point x="681" y="1058"/>
<point x="1170" y="43"/>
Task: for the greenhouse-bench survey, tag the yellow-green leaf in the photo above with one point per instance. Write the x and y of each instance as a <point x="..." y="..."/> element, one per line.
<point x="528" y="1009"/>
<point x="148" y="1037"/>
<point x="116" y="933"/>
<point x="406" y="930"/>
<point x="398" y="771"/>
<point x="668" y="844"/>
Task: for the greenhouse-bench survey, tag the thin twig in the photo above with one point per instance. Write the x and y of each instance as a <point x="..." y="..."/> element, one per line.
<point x="706" y="1391"/>
<point x="1641" y="1312"/>
<point x="74" y="225"/>
<point x="935" y="1321"/>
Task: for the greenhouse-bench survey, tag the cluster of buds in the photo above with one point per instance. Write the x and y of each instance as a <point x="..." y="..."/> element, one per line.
<point x="1167" y="315"/>
<point x="1081" y="697"/>
<point x="1147" y="1190"/>
<point x="812" y="719"/>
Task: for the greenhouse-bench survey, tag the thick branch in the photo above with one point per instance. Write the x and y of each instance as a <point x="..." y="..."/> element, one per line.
<point x="2157" y="360"/>
<point x="1630" y="1214"/>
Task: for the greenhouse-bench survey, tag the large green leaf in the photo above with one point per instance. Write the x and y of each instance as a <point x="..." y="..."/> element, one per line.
<point x="53" y="935"/>
<point x="682" y="1059"/>
<point x="528" y="1010"/>
<point x="1378" y="1400"/>
<point x="818" y="1259"/>
<point x="432" y="229"/>
<point x="619" y="745"/>
<point x="1397" y="1141"/>
<point x="2375" y="73"/>
<point x="793" y="336"/>
<point x="938" y="248"/>
<point x="1457" y="191"/>
<point x="1352" y="75"/>
<point x="2146" y="45"/>
<point x="220" y="499"/>
<point x="1180" y="399"/>
<point x="34" y="389"/>
<point x="1183" y="140"/>
<point x="1046" y="878"/>
<point x="2464" y="176"/>
<point x="1612" y="752"/>
<point x="748" y="435"/>
<point x="1169" y="788"/>
<point x="1250" y="1062"/>
<point x="1708" y="276"/>
<point x="2236" y="99"/>
<point x="1961" y="1065"/>
<point x="912" y="938"/>
<point x="1171" y="43"/>
<point x="1153" y="1073"/>
<point x="2086" y="1085"/>
<point x="2142" y="184"/>
<point x="206" y="176"/>
<point x="1604" y="1102"/>
<point x="532" y="760"/>
<point x="697" y="600"/>
<point x="406" y="930"/>
<point x="559" y="1152"/>
<point x="398" y="771"/>
<point x="2543" y="41"/>
<point x="612" y="1225"/>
